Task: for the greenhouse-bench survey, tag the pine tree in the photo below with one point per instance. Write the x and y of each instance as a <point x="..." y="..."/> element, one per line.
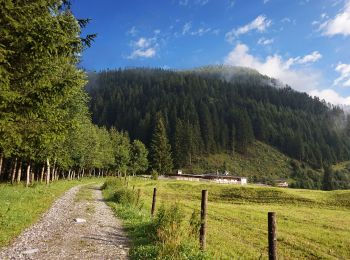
<point x="244" y="131"/>
<point x="161" y="149"/>
<point x="327" y="183"/>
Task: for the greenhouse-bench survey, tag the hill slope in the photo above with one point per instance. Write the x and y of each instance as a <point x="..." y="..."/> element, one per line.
<point x="205" y="114"/>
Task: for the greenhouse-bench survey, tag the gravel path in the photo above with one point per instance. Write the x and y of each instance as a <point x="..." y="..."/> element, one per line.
<point x="58" y="236"/>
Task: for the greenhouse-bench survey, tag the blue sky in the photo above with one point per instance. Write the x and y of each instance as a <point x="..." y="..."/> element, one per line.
<point x="304" y="43"/>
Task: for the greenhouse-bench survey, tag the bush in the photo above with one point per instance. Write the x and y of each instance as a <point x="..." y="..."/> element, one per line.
<point x="154" y="175"/>
<point x="125" y="196"/>
<point x="121" y="193"/>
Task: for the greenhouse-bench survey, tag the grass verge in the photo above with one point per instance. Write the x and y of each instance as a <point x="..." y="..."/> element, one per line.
<point x="169" y="235"/>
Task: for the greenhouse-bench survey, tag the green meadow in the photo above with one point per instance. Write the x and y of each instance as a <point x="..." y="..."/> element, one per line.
<point x="310" y="224"/>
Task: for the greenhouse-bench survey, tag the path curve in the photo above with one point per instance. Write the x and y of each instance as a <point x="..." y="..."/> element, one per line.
<point x="58" y="236"/>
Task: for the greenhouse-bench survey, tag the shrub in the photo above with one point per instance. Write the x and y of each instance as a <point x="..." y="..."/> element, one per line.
<point x="154" y="175"/>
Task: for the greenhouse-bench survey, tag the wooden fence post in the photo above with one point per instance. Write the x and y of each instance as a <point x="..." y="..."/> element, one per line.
<point x="272" y="236"/>
<point x="203" y="229"/>
<point x="154" y="201"/>
<point x="138" y="196"/>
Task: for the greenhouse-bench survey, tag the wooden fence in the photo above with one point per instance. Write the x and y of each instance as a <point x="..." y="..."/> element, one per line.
<point x="271" y="219"/>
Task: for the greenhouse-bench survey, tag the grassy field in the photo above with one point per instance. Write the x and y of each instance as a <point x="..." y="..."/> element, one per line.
<point x="311" y="224"/>
<point x="21" y="206"/>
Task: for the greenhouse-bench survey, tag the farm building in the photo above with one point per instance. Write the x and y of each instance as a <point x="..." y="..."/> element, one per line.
<point x="217" y="178"/>
<point x="281" y="183"/>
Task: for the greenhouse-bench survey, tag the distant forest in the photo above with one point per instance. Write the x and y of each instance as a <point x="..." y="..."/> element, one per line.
<point x="205" y="112"/>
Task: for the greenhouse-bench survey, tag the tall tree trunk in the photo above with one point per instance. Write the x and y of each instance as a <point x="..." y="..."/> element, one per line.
<point x="47" y="171"/>
<point x="19" y="173"/>
<point x="28" y="175"/>
<point x="1" y="161"/>
<point x="42" y="173"/>
<point x="32" y="176"/>
<point x="53" y="171"/>
<point x="14" y="170"/>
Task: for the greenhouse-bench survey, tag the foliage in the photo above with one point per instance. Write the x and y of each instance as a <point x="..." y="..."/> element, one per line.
<point x="44" y="117"/>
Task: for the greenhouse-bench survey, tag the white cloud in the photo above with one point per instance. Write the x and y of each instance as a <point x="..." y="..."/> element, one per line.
<point x="330" y="96"/>
<point x="260" y="24"/>
<point x="340" y="24"/>
<point x="344" y="79"/>
<point x="143" y="42"/>
<point x="301" y="79"/>
<point x="286" y="20"/>
<point x="139" y="53"/>
<point x="187" y="30"/>
<point x="275" y="66"/>
<point x="266" y="1"/>
<point x="144" y="48"/>
<point x="310" y="58"/>
<point x="264" y="41"/>
<point x="187" y="27"/>
<point x="201" y="31"/>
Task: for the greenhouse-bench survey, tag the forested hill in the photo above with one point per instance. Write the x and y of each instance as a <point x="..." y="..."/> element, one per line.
<point x="207" y="112"/>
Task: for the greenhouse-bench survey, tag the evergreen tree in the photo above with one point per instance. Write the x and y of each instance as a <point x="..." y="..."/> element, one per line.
<point x="244" y="131"/>
<point x="327" y="183"/>
<point x="160" y="149"/>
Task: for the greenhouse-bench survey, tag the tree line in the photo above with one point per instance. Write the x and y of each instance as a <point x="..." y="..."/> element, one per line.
<point x="45" y="126"/>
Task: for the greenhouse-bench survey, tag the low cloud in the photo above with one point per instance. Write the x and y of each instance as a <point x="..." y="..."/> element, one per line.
<point x="330" y="96"/>
<point x="275" y="66"/>
<point x="260" y="24"/>
<point x="291" y="71"/>
<point x="339" y="25"/>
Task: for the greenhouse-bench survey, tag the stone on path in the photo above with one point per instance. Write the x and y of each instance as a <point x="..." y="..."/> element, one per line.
<point x="79" y="220"/>
<point x="30" y="251"/>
